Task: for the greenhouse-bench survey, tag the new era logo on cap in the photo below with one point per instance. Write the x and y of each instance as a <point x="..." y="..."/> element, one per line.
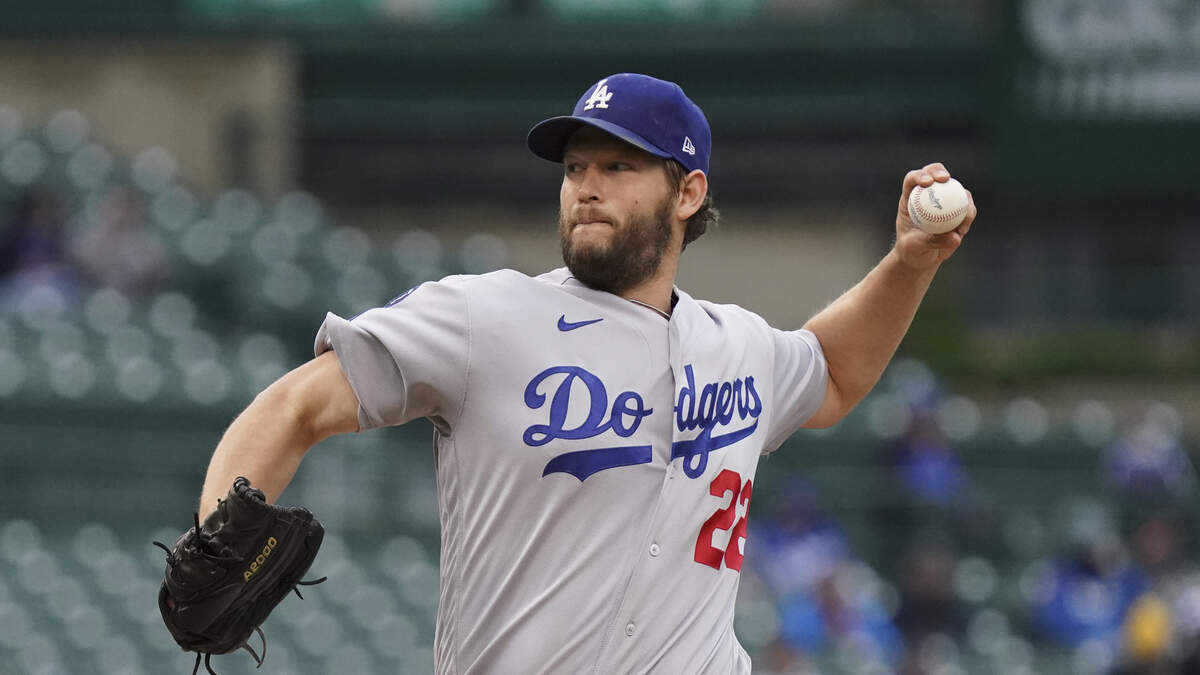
<point x="652" y="114"/>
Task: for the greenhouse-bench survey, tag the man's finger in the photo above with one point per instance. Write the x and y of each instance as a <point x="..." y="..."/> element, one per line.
<point x="945" y="240"/>
<point x="969" y="218"/>
<point x="937" y="171"/>
<point x="914" y="178"/>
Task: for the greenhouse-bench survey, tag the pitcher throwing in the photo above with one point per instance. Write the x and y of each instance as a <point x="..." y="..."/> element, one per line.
<point x="597" y="428"/>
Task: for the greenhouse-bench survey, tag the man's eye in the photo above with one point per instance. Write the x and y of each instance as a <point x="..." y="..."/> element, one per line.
<point x="619" y="166"/>
<point x="572" y="168"/>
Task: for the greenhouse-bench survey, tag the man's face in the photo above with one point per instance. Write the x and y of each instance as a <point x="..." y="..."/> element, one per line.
<point x="616" y="211"/>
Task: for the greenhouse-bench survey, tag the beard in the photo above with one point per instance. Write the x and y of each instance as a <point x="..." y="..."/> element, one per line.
<point x="631" y="255"/>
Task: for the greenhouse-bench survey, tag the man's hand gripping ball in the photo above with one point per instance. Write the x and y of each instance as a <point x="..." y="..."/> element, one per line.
<point x="933" y="217"/>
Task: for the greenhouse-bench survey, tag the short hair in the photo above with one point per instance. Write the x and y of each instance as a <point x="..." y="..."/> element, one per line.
<point x="707" y="215"/>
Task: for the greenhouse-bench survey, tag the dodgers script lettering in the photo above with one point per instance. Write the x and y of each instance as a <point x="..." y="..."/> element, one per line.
<point x="711" y="407"/>
<point x="626" y="415"/>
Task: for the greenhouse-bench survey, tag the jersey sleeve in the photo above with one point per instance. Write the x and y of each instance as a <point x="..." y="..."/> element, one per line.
<point x="801" y="377"/>
<point x="405" y="360"/>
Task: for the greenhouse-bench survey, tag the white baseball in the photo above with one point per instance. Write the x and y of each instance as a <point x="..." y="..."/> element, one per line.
<point x="938" y="208"/>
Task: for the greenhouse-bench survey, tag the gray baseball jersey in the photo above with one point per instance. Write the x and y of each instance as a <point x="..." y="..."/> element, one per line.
<point x="595" y="463"/>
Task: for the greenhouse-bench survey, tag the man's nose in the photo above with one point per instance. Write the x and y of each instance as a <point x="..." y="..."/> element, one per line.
<point x="589" y="187"/>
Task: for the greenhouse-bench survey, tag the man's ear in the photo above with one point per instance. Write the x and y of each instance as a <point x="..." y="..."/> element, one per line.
<point x="691" y="194"/>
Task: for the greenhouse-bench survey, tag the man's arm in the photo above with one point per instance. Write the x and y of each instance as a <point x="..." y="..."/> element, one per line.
<point x="860" y="331"/>
<point x="267" y="441"/>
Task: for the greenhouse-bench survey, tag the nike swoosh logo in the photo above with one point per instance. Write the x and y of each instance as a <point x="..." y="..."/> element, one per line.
<point x="565" y="325"/>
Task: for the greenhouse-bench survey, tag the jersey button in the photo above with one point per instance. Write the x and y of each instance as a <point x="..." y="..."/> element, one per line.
<point x="655" y="549"/>
<point x="629" y="628"/>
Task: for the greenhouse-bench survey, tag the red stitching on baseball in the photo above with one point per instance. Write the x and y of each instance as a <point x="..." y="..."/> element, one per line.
<point x="931" y="217"/>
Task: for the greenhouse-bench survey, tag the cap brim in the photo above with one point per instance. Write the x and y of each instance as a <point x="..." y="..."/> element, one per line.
<point x="548" y="139"/>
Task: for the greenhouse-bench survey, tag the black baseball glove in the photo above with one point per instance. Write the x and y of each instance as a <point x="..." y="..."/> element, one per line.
<point x="224" y="577"/>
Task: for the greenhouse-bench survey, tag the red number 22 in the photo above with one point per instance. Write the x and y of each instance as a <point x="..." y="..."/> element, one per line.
<point x="706" y="553"/>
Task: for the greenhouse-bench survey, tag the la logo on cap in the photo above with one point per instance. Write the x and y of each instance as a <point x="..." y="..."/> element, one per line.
<point x="599" y="97"/>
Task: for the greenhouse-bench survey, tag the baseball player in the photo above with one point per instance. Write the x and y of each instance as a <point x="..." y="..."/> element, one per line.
<point x="597" y="429"/>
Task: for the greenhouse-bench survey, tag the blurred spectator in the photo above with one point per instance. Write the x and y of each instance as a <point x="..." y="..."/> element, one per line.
<point x="1147" y="638"/>
<point x="1161" y="631"/>
<point x="32" y="244"/>
<point x="826" y="598"/>
<point x="117" y="249"/>
<point x="929" y="607"/>
<point x="1086" y="594"/>
<point x="797" y="543"/>
<point x="926" y="486"/>
<point x="1156" y="549"/>
<point x="1149" y="464"/>
<point x="925" y="466"/>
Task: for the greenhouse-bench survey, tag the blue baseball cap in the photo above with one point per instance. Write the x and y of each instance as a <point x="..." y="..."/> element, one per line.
<point x="652" y="114"/>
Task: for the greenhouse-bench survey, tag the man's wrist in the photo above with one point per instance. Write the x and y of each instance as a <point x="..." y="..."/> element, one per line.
<point x="921" y="273"/>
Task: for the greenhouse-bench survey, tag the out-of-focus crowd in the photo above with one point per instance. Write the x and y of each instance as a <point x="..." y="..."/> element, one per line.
<point x="1108" y="581"/>
<point x="107" y="244"/>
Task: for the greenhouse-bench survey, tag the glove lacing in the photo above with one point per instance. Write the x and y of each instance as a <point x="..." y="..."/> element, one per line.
<point x="258" y="660"/>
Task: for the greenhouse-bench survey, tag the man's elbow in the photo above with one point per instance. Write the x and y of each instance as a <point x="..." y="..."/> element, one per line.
<point x="315" y="400"/>
<point x="283" y="407"/>
<point x="823" y="418"/>
<point x="837" y="405"/>
<point x="832" y="409"/>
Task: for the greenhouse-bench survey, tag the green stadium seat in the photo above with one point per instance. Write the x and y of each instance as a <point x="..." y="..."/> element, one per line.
<point x="40" y="306"/>
<point x="317" y="632"/>
<point x="393" y="635"/>
<point x="139" y="379"/>
<point x="60" y="339"/>
<point x="300" y="212"/>
<point x="65" y="130"/>
<point x="482" y="252"/>
<point x="128" y="342"/>
<point x="106" y="310"/>
<point x="362" y="287"/>
<point x="119" y="655"/>
<point x="210" y="383"/>
<point x="205" y="243"/>
<point x="286" y="287"/>
<point x="173" y="208"/>
<point x="153" y="169"/>
<point x="23" y="162"/>
<point x="193" y="347"/>
<point x="275" y="243"/>
<point x="89" y="167"/>
<point x="345" y="246"/>
<point x="115" y="572"/>
<point x="975" y="580"/>
<point x="172" y="314"/>
<point x="237" y="210"/>
<point x="72" y="376"/>
<point x="419" y="254"/>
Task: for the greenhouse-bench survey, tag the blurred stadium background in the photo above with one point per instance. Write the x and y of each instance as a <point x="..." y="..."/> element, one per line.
<point x="187" y="186"/>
